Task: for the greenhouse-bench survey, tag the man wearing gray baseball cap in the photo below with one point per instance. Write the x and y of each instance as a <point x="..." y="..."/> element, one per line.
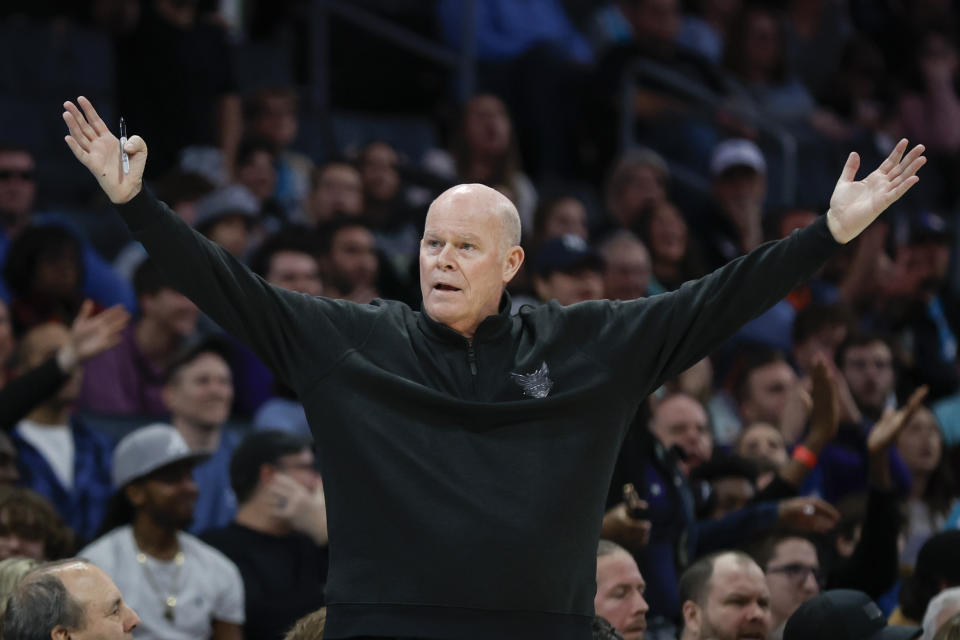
<point x="180" y="586"/>
<point x="843" y="614"/>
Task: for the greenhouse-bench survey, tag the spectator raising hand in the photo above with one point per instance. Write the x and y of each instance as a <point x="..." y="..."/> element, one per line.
<point x="824" y="422"/>
<point x="91" y="334"/>
<point x="885" y="431"/>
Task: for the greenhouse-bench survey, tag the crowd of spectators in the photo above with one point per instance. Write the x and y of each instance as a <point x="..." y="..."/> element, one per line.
<point x="817" y="449"/>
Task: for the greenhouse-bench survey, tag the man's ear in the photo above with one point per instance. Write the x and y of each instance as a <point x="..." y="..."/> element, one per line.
<point x="512" y="262"/>
<point x="135" y="494"/>
<point x="692" y="618"/>
<point x="60" y="633"/>
<point x="266" y="474"/>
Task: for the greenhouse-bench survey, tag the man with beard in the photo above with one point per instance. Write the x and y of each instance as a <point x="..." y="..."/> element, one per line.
<point x="349" y="260"/>
<point x="620" y="587"/>
<point x="336" y="190"/>
<point x="181" y="587"/>
<point x="725" y="597"/>
<point x="866" y="363"/>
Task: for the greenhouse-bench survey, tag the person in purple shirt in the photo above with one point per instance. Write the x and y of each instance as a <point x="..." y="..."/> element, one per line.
<point x="128" y="379"/>
<point x="866" y="362"/>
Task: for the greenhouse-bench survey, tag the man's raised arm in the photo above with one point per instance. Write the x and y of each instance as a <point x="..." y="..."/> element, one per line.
<point x="275" y="323"/>
<point x="656" y="338"/>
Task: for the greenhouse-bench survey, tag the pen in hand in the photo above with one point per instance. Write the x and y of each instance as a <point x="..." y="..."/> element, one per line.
<point x="124" y="158"/>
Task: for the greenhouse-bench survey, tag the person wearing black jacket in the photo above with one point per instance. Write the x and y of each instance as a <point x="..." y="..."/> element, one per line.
<point x="466" y="453"/>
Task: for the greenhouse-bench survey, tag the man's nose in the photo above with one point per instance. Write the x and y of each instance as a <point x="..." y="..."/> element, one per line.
<point x="445" y="257"/>
<point x="755" y="611"/>
<point x="810" y="584"/>
<point x="641" y="604"/>
<point x="132" y="620"/>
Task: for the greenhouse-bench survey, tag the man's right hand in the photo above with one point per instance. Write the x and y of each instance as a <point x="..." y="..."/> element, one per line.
<point x="99" y="151"/>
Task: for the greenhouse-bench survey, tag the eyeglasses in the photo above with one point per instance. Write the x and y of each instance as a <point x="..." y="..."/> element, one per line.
<point x="797" y="573"/>
<point x="10" y="174"/>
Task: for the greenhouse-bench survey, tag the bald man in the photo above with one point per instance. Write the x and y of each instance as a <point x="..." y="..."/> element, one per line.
<point x="467" y="453"/>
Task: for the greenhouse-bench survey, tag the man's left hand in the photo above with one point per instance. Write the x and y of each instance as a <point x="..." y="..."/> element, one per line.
<point x="856" y="203"/>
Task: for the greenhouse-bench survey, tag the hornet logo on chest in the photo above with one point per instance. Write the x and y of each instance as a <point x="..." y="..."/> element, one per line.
<point x="536" y="384"/>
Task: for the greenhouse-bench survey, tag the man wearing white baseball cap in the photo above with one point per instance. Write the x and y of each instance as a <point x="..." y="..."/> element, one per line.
<point x="180" y="586"/>
<point x="732" y="225"/>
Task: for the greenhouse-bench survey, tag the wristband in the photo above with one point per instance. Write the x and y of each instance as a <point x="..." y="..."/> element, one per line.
<point x="804" y="456"/>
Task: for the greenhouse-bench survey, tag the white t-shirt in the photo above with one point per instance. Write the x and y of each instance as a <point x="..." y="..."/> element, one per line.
<point x="209" y="585"/>
<point x="55" y="444"/>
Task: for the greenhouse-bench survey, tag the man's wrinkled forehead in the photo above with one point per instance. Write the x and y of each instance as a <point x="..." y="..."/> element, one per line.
<point x="466" y="211"/>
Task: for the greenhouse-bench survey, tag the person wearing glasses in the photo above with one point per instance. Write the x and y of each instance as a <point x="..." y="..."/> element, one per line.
<point x="279" y="537"/>
<point x="791" y="562"/>
<point x="791" y="566"/>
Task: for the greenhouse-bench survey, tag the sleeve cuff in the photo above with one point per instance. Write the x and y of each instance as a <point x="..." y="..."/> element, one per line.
<point x="141" y="211"/>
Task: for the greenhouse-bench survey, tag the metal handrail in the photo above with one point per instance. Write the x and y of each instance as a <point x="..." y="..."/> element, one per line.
<point x="700" y="96"/>
<point x="462" y="62"/>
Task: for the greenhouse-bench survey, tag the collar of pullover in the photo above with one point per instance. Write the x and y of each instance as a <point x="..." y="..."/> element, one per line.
<point x="490" y="328"/>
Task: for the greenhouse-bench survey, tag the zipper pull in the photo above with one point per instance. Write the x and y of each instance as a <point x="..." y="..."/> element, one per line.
<point x="472" y="359"/>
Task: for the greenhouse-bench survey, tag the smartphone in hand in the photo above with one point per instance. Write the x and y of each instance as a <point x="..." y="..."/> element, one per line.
<point x="636" y="508"/>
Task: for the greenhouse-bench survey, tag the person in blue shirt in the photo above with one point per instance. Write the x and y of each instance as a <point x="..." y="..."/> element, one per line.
<point x="58" y="455"/>
<point x="198" y="392"/>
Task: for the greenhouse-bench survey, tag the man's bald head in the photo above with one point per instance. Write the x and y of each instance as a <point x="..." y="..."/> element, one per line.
<point x="479" y="196"/>
<point x="469" y="252"/>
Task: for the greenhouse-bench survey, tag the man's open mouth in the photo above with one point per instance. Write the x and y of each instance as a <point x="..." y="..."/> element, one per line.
<point x="445" y="287"/>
